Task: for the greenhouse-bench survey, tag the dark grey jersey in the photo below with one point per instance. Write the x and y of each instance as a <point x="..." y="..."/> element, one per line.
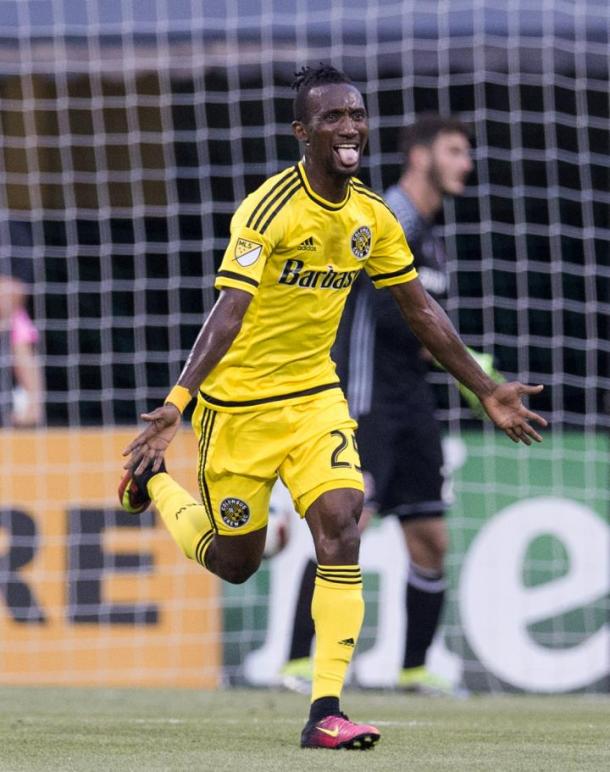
<point x="379" y="359"/>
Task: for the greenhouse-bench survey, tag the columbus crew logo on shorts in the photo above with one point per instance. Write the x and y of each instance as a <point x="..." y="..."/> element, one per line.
<point x="234" y="512"/>
<point x="361" y="242"/>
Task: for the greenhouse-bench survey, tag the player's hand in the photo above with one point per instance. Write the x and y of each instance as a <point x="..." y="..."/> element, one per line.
<point x="507" y="411"/>
<point x="150" y="445"/>
<point x="486" y="363"/>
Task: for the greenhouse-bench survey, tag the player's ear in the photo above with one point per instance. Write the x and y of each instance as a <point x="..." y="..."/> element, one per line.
<point x="420" y="157"/>
<point x="299" y="131"/>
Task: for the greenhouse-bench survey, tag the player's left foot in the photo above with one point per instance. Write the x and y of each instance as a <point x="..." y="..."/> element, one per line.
<point x="297" y="675"/>
<point x="338" y="732"/>
<point x="419" y="680"/>
<point x="133" y="493"/>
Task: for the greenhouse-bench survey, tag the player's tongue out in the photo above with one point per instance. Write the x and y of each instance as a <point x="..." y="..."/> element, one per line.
<point x="348" y="154"/>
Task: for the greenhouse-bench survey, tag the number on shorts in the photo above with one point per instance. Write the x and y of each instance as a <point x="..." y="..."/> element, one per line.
<point x="334" y="459"/>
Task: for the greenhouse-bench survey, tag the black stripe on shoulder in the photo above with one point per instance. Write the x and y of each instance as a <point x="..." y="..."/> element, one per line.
<point x="238" y="277"/>
<point x="289" y="194"/>
<point x="267" y="200"/>
<point x="380" y="276"/>
<point x="359" y="187"/>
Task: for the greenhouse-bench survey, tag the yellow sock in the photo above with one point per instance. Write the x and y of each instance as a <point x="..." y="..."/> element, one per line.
<point x="184" y="518"/>
<point x="337" y="609"/>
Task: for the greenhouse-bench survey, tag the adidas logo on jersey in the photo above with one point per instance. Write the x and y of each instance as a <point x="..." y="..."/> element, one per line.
<point x="307" y="245"/>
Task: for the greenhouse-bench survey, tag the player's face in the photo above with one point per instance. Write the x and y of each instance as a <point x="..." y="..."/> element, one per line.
<point x="337" y="128"/>
<point x="450" y="162"/>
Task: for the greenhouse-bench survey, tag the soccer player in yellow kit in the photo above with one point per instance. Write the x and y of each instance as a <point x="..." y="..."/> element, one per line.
<point x="268" y="398"/>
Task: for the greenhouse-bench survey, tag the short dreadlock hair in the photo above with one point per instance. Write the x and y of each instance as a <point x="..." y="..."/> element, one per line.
<point x="426" y="129"/>
<point x="307" y="78"/>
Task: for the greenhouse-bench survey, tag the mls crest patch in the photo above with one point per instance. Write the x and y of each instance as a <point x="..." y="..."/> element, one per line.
<point x="247" y="252"/>
<point x="361" y="242"/>
<point x="234" y="512"/>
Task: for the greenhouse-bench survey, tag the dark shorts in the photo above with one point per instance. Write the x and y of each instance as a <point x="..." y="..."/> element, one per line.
<point x="401" y="451"/>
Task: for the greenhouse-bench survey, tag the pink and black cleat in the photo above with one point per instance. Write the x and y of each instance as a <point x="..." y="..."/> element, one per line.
<point x="134" y="498"/>
<point x="133" y="493"/>
<point x="337" y="732"/>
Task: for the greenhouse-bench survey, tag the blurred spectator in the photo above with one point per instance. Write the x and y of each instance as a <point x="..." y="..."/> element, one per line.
<point x="21" y="379"/>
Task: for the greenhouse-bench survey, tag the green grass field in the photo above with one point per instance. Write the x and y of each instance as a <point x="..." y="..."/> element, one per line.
<point x="117" y="729"/>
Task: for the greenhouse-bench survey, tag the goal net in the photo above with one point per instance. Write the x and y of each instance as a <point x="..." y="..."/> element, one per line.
<point x="128" y="135"/>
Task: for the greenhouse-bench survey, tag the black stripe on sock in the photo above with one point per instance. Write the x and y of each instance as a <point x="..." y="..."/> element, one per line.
<point x="201" y="545"/>
<point x="342" y="573"/>
<point x="326" y="575"/>
<point x="341" y="576"/>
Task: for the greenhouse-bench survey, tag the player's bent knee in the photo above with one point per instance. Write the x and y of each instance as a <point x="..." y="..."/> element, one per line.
<point x="337" y="507"/>
<point x="238" y="574"/>
<point x="236" y="558"/>
<point x="333" y="520"/>
<point x="340" y="547"/>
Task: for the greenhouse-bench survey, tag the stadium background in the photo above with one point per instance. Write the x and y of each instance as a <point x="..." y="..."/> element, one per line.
<point x="128" y="136"/>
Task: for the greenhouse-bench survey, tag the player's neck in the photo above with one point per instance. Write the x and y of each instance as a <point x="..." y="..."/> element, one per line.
<point x="422" y="193"/>
<point x="330" y="187"/>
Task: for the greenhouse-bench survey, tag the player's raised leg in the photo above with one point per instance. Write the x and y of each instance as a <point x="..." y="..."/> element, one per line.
<point x="233" y="558"/>
<point x="337" y="610"/>
<point x="184" y="518"/>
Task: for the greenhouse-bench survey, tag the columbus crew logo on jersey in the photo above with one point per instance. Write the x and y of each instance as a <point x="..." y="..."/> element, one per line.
<point x="234" y="512"/>
<point x="361" y="242"/>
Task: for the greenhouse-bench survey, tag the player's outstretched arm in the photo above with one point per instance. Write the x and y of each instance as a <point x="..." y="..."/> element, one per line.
<point x="214" y="340"/>
<point x="502" y="402"/>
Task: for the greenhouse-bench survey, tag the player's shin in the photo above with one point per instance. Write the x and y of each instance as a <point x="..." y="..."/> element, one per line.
<point x="338" y="610"/>
<point x="184" y="518"/>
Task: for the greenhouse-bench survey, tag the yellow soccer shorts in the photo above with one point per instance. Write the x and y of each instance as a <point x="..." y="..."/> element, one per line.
<point x="310" y="445"/>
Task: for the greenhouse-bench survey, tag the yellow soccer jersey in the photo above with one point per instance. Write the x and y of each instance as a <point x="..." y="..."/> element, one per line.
<point x="298" y="255"/>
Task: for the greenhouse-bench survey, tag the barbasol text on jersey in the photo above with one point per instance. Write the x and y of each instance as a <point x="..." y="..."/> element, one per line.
<point x="294" y="274"/>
